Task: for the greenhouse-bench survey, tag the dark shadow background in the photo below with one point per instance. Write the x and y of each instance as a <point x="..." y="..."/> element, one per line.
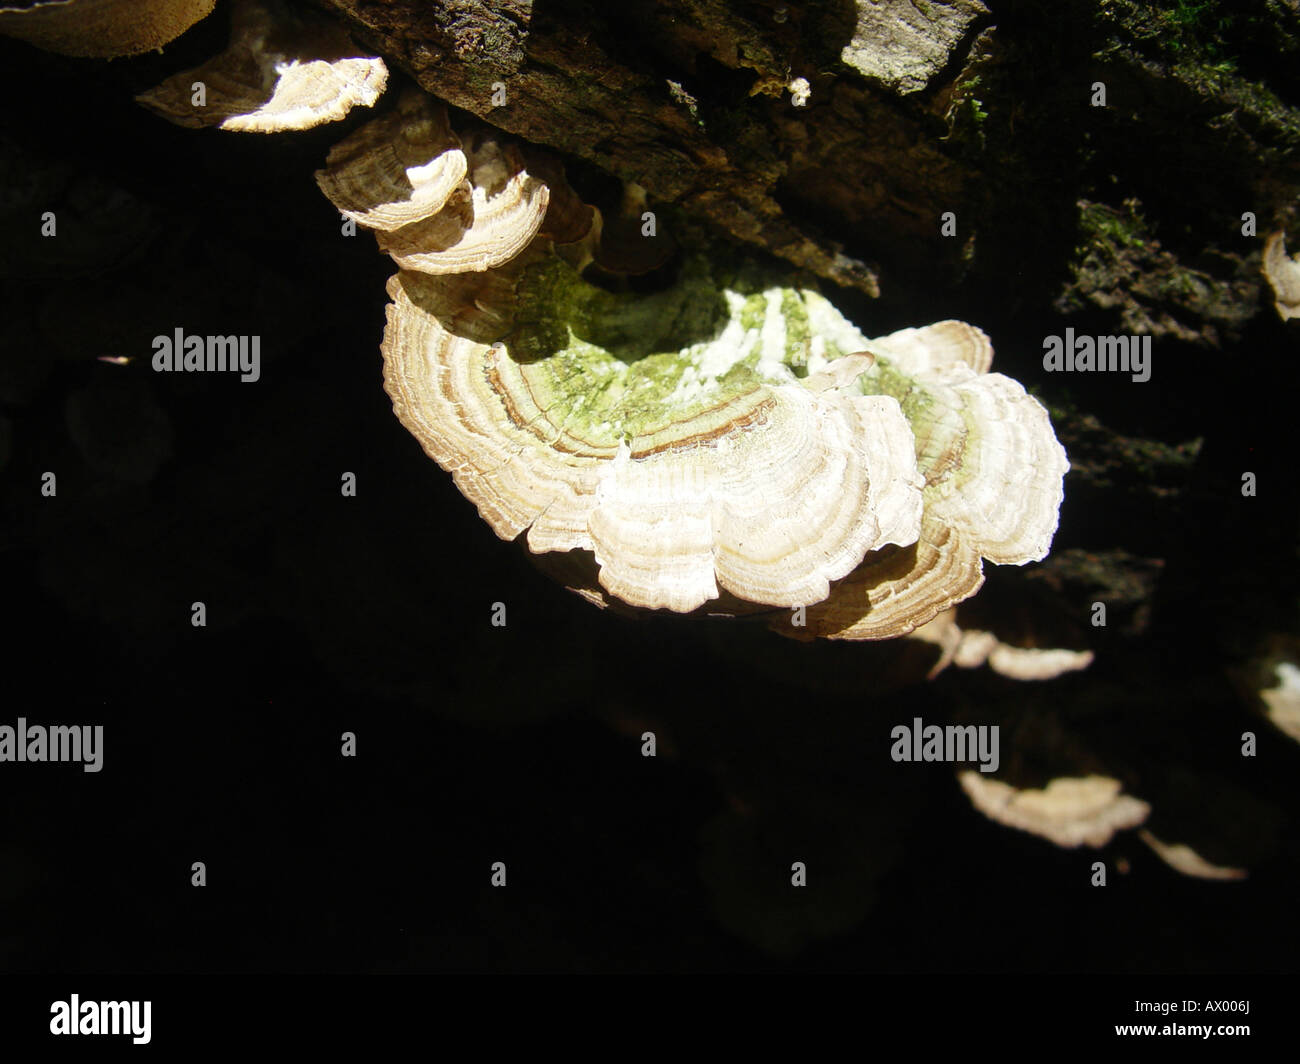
<point x="372" y="614"/>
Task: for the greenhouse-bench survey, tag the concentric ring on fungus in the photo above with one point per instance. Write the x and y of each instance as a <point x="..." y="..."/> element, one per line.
<point x="286" y="68"/>
<point x="729" y="443"/>
<point x="770" y="490"/>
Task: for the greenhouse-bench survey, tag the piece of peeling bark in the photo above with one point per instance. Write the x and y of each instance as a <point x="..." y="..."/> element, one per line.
<point x="768" y="491"/>
<point x="101" y="29"/>
<point x="490" y="221"/>
<point x="903" y="44"/>
<point x="1182" y="858"/>
<point x="398" y="169"/>
<point x="1283" y="275"/>
<point x="994" y="480"/>
<point x="1069" y="811"/>
<point x="285" y="69"/>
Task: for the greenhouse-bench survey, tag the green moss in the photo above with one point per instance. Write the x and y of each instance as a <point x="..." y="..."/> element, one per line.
<point x="1120" y="267"/>
<point x="623" y="365"/>
<point x="1106" y="228"/>
<point x="685" y="99"/>
<point x="1202" y="44"/>
<point x="966" y="113"/>
<point x="753" y="313"/>
<point x="1265" y="107"/>
<point x="1177" y="28"/>
<point x="798" y="333"/>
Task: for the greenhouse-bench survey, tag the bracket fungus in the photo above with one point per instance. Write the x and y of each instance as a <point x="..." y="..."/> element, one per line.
<point x="770" y="489"/>
<point x="396" y="170"/>
<point x="1182" y="858"/>
<point x="1283" y="275"/>
<point x="101" y="29"/>
<point x="284" y="69"/>
<point x="993" y="474"/>
<point x="970" y="648"/>
<point x="488" y="221"/>
<point x="729" y="442"/>
<point x="1069" y="811"/>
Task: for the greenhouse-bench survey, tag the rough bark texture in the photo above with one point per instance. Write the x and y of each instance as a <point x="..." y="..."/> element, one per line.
<point x="990" y="119"/>
<point x="687" y="99"/>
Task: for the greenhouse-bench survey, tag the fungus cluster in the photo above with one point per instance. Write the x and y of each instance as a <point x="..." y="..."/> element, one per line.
<point x="727" y="443"/>
<point x="1074" y="811"/>
<point x="283" y="69"/>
